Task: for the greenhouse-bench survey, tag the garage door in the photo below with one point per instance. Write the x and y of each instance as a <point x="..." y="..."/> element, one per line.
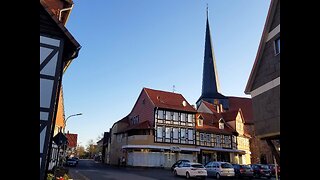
<point x="186" y="156"/>
<point x="146" y="159"/>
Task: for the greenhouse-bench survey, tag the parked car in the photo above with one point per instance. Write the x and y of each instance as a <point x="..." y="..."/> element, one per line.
<point x="71" y="162"/>
<point x="219" y="169"/>
<point x="76" y="158"/>
<point x="243" y="171"/>
<point x="178" y="163"/>
<point x="273" y="169"/>
<point x="261" y="170"/>
<point x="190" y="169"/>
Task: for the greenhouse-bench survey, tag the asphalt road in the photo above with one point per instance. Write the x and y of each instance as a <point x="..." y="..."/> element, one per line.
<point x="91" y="170"/>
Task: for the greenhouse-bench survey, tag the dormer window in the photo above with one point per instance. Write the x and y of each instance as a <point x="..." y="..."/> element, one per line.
<point x="199" y="121"/>
<point x="221" y="124"/>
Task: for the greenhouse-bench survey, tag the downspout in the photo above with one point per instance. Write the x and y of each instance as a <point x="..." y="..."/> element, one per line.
<point x="65" y="9"/>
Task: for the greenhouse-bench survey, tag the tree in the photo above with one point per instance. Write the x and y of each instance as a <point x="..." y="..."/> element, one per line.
<point x="80" y="151"/>
<point x="91" y="148"/>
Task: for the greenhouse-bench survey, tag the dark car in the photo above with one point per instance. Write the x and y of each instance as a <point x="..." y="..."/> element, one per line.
<point x="261" y="170"/>
<point x="273" y="169"/>
<point x="71" y="162"/>
<point x="243" y="171"/>
<point x="178" y="163"/>
<point x="76" y="158"/>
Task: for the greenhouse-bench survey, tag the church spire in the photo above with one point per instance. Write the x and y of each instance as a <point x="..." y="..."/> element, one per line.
<point x="210" y="80"/>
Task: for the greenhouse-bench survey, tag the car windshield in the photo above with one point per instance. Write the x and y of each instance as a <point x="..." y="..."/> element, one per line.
<point x="197" y="165"/>
<point x="264" y="167"/>
<point x="226" y="165"/>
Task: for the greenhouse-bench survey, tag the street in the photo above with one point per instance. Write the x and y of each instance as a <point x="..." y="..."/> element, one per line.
<point x="88" y="169"/>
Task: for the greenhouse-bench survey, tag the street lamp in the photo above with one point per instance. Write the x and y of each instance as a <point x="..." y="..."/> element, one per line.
<point x="65" y="121"/>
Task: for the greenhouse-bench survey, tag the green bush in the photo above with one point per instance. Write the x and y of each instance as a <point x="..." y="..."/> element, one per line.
<point x="50" y="176"/>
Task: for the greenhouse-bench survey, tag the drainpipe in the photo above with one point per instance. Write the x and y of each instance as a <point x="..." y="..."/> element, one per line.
<point x="65" y="9"/>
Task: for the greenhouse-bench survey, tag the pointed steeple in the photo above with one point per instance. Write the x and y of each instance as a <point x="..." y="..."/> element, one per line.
<point x="210" y="80"/>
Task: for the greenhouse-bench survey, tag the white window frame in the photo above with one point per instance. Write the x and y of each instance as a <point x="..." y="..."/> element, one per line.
<point x="161" y="128"/>
<point x="202" y="136"/>
<point x="190" y="134"/>
<point x="168" y="132"/>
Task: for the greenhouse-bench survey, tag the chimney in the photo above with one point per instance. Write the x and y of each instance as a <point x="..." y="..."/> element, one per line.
<point x="218" y="108"/>
<point x="221" y="107"/>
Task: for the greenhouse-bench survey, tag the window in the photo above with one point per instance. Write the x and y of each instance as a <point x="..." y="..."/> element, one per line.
<point x="183" y="117"/>
<point x="168" y="115"/>
<point x="160" y="114"/>
<point x="190" y="134"/>
<point x="159" y="132"/>
<point x="200" y="122"/>
<point x="190" y="117"/>
<point x="168" y="132"/>
<point x="201" y="137"/>
<point x="175" y="116"/>
<point x="175" y="133"/>
<point x="221" y="124"/>
<point x="183" y="133"/>
<point x="209" y="138"/>
<point x="218" y="139"/>
<point x="277" y="46"/>
<point x="135" y="120"/>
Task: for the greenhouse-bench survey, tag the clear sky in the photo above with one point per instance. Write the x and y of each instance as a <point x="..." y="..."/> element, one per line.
<point x="131" y="44"/>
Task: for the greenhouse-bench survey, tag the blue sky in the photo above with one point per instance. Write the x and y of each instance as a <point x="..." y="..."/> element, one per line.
<point x="131" y="44"/>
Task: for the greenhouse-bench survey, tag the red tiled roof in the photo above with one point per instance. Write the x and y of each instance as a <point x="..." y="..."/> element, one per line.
<point x="168" y="100"/>
<point x="210" y="124"/>
<point x="209" y="118"/>
<point x="246" y="107"/>
<point x="229" y="115"/>
<point x="124" y="120"/>
<point x="142" y="125"/>
<point x="213" y="129"/>
<point x="72" y="140"/>
<point x="210" y="106"/>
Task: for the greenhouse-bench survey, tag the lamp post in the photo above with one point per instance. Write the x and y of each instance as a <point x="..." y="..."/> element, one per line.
<point x="65" y="123"/>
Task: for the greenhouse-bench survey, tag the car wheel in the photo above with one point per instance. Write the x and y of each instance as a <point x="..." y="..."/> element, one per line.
<point x="175" y="173"/>
<point x="218" y="176"/>
<point x="188" y="175"/>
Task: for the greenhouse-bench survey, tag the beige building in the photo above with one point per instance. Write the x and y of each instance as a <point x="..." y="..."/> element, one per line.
<point x="163" y="128"/>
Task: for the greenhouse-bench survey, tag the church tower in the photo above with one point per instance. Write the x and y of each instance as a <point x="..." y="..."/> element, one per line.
<point x="210" y="81"/>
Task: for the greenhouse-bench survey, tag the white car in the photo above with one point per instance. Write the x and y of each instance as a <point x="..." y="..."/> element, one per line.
<point x="190" y="169"/>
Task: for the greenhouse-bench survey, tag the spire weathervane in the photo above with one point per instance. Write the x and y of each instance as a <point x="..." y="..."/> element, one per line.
<point x="207" y="10"/>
